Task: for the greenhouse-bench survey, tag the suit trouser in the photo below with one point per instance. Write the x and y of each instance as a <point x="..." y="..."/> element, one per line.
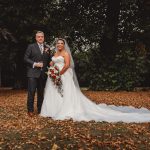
<point x="33" y="85"/>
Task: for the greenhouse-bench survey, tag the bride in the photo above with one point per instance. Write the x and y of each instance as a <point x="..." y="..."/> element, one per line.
<point x="73" y="104"/>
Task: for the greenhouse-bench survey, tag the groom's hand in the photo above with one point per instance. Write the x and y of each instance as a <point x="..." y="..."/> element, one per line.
<point x="39" y="65"/>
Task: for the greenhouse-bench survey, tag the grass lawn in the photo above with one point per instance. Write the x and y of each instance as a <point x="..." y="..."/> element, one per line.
<point x="18" y="131"/>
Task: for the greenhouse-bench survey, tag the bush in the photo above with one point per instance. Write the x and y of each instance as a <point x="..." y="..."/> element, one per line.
<point x="126" y="71"/>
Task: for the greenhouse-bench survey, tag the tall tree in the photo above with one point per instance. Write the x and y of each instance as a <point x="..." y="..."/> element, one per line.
<point x="110" y="36"/>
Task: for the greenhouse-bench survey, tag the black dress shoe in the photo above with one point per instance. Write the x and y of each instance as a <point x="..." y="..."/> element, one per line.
<point x="30" y="114"/>
<point x="38" y="112"/>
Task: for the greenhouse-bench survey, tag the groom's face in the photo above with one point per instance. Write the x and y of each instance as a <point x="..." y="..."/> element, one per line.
<point x="39" y="38"/>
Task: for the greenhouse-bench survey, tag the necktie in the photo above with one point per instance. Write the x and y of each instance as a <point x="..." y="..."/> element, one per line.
<point x="41" y="48"/>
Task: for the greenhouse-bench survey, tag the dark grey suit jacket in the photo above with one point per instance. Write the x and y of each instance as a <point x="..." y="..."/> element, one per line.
<point x="33" y="54"/>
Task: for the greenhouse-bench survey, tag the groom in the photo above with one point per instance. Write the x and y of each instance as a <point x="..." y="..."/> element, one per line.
<point x="37" y="58"/>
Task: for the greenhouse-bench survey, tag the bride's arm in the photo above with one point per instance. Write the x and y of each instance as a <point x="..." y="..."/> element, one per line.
<point x="51" y="63"/>
<point x="67" y="63"/>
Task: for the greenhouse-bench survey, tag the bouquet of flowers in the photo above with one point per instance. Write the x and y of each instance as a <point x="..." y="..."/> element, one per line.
<point x="54" y="74"/>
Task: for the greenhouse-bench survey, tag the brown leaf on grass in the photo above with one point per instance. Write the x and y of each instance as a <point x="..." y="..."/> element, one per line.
<point x="55" y="147"/>
<point x="43" y="133"/>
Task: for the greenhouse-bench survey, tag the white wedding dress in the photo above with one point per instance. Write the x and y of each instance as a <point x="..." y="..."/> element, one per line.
<point x="75" y="105"/>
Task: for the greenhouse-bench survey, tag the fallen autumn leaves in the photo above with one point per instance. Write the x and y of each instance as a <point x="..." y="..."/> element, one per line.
<point x="18" y="131"/>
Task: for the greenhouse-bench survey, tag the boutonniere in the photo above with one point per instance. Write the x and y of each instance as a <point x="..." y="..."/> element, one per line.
<point x="46" y="49"/>
<point x="49" y="49"/>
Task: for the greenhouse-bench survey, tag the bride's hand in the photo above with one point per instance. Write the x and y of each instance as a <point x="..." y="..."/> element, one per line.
<point x="51" y="63"/>
<point x="60" y="73"/>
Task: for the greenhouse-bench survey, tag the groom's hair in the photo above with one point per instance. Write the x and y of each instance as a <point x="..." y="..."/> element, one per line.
<point x="39" y="32"/>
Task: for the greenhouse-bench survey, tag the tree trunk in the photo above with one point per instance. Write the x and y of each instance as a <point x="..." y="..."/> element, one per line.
<point x="0" y="76"/>
<point x="109" y="39"/>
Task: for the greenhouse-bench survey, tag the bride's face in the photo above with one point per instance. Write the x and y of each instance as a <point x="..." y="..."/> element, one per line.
<point x="60" y="45"/>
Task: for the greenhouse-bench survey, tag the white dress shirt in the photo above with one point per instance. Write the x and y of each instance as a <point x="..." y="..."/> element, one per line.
<point x="41" y="47"/>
